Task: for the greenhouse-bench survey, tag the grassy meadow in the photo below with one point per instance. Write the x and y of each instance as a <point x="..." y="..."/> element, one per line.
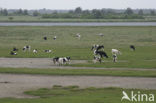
<point x="74" y="94"/>
<point x="66" y="44"/>
<point x="40" y="19"/>
<point x="85" y="72"/>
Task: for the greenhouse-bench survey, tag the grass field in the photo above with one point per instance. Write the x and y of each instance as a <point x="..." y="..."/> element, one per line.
<point x="73" y="94"/>
<point x="66" y="44"/>
<point x="40" y="19"/>
<point x="89" y="72"/>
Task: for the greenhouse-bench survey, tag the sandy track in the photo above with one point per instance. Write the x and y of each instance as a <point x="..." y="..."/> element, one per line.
<point x="13" y="85"/>
<point x="32" y="62"/>
<point x="47" y="63"/>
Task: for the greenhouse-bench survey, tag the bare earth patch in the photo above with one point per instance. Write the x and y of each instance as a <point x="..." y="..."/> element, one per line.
<point x="32" y="62"/>
<point x="13" y="85"/>
<point x="48" y="63"/>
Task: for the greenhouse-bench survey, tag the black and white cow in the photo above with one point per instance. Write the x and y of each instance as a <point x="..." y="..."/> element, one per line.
<point x="114" y="58"/>
<point x="132" y="47"/>
<point x="54" y="37"/>
<point x="27" y="47"/>
<point x="101" y="54"/>
<point x="13" y="53"/>
<point x="45" y="38"/>
<point x="48" y="51"/>
<point x="55" y="60"/>
<point x="97" y="59"/>
<point x="97" y="47"/>
<point x="15" y="49"/>
<point x="61" y="60"/>
<point x="78" y="35"/>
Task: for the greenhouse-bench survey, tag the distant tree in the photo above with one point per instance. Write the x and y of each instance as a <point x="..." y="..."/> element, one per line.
<point x="71" y="11"/>
<point x="25" y="12"/>
<point x="78" y="10"/>
<point x="1" y="11"/>
<point x="11" y="18"/>
<point x="103" y="11"/>
<point x="35" y="13"/>
<point x="96" y="13"/>
<point x="55" y="12"/>
<point x="129" y="11"/>
<point x="152" y="12"/>
<point x="141" y="12"/>
<point x="110" y="11"/>
<point x="86" y="12"/>
<point x="20" y="12"/>
<point x="5" y="12"/>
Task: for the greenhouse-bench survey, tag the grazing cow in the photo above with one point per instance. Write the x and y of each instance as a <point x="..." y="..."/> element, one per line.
<point x="27" y="47"/>
<point x="55" y="60"/>
<point x="47" y="51"/>
<point x="101" y="53"/>
<point x="100" y="47"/>
<point x="97" y="59"/>
<point x="97" y="47"/>
<point x="115" y="51"/>
<point x="35" y="51"/>
<point x="114" y="57"/>
<point x="45" y="38"/>
<point x="61" y="60"/>
<point x="13" y="53"/>
<point x="78" y="35"/>
<point x="132" y="47"/>
<point x="24" y="48"/>
<point x="64" y="60"/>
<point x="101" y="34"/>
<point x="15" y="49"/>
<point x="54" y="37"/>
<point x="67" y="60"/>
<point x="94" y="47"/>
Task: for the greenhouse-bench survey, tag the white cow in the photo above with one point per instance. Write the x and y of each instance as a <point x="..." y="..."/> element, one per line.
<point x="115" y="51"/>
<point x="35" y="51"/>
<point x="78" y="35"/>
<point x="54" y="37"/>
<point x="101" y="34"/>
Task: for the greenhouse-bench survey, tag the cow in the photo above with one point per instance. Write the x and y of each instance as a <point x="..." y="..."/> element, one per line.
<point x="132" y="47"/>
<point x="115" y="51"/>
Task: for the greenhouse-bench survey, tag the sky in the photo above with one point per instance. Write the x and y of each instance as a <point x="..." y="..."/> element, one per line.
<point x="72" y="4"/>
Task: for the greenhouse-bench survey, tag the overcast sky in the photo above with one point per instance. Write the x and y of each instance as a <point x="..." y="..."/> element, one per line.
<point x="72" y="4"/>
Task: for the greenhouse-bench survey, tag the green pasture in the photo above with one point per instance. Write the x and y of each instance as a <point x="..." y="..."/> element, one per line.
<point x="74" y="94"/>
<point x="85" y="72"/>
<point x="66" y="44"/>
<point x="40" y="19"/>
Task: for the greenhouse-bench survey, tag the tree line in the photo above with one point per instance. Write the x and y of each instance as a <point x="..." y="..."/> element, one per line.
<point x="82" y="14"/>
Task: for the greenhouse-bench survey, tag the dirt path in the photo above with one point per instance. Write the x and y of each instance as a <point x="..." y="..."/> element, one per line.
<point x="13" y="85"/>
<point x="32" y="62"/>
<point x="47" y="63"/>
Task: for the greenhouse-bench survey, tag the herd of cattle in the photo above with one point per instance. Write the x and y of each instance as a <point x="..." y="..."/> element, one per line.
<point x="98" y="52"/>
